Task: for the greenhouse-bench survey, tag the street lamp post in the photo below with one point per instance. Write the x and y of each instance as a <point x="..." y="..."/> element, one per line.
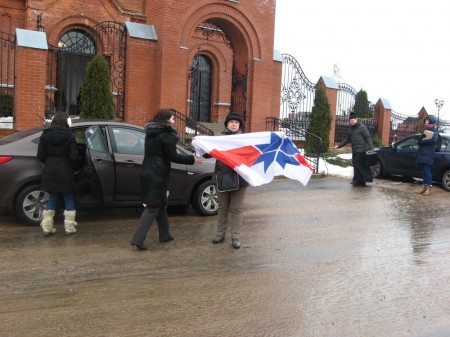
<point x="439" y="103"/>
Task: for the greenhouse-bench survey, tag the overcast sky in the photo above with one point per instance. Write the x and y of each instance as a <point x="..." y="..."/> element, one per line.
<point x="398" y="50"/>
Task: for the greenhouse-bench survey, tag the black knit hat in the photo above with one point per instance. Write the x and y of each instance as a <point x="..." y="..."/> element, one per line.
<point x="352" y="115"/>
<point x="233" y="116"/>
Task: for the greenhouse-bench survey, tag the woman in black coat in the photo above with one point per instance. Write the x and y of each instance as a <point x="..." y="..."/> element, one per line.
<point x="58" y="152"/>
<point x="160" y="150"/>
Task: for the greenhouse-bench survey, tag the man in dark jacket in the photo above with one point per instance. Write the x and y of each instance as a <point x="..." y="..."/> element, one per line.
<point x="359" y="137"/>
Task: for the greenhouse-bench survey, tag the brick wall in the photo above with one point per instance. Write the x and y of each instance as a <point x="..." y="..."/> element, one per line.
<point x="250" y="27"/>
<point x="157" y="71"/>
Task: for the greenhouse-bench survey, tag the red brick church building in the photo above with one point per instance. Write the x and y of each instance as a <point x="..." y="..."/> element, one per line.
<point x="204" y="58"/>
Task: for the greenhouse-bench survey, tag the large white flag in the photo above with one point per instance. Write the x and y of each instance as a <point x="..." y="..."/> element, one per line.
<point x="257" y="157"/>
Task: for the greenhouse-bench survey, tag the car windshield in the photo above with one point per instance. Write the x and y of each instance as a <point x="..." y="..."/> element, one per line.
<point x="407" y="144"/>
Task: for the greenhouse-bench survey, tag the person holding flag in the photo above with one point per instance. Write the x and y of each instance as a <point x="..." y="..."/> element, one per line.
<point x="231" y="201"/>
<point x="247" y="159"/>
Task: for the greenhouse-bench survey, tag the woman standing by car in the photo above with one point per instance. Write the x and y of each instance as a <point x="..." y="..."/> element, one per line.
<point x="427" y="148"/>
<point x="58" y="152"/>
<point x="160" y="150"/>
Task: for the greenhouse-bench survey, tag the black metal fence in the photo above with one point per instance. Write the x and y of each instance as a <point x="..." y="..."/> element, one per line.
<point x="345" y="99"/>
<point x="112" y="37"/>
<point x="7" y="76"/>
<point x="51" y="86"/>
<point x="188" y="128"/>
<point x="402" y="126"/>
<point x="342" y="125"/>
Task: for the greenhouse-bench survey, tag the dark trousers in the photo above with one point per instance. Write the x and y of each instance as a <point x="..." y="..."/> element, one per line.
<point x="427" y="178"/>
<point x="230" y="211"/>
<point x="148" y="216"/>
<point x="361" y="169"/>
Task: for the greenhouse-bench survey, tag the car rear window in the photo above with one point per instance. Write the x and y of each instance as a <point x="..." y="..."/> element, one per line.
<point x="19" y="135"/>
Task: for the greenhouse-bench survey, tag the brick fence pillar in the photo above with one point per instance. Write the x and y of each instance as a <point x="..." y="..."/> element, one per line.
<point x="331" y="90"/>
<point x="263" y="93"/>
<point x="31" y="75"/>
<point x="382" y="115"/>
<point x="142" y="82"/>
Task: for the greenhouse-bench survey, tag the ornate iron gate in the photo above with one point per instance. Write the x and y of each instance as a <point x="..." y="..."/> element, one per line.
<point x="345" y="104"/>
<point x="239" y="93"/>
<point x="75" y="49"/>
<point x="7" y="76"/>
<point x="112" y="36"/>
<point x="297" y="93"/>
<point x="402" y="126"/>
<point x="345" y="99"/>
<point x="200" y="89"/>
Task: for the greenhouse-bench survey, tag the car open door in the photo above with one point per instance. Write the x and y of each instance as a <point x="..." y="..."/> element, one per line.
<point x="100" y="164"/>
<point x="128" y="147"/>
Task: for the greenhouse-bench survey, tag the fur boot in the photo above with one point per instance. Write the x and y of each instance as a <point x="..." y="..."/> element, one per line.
<point x="424" y="188"/>
<point x="427" y="191"/>
<point x="69" y="222"/>
<point x="47" y="222"/>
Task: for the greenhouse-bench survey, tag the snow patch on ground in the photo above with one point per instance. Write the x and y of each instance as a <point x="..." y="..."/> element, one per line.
<point x="334" y="170"/>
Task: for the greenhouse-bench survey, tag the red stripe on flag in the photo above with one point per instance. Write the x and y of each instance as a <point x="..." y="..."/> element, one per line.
<point x="246" y="155"/>
<point x="303" y="161"/>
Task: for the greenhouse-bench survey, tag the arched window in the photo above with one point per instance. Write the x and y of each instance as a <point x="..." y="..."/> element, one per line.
<point x="77" y="42"/>
<point x="201" y="79"/>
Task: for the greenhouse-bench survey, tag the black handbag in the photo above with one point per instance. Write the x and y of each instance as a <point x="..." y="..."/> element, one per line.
<point x="227" y="181"/>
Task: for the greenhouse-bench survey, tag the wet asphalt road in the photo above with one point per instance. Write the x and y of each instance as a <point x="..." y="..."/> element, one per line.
<point x="322" y="260"/>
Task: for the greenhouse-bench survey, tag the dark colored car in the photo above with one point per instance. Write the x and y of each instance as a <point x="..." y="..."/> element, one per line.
<point x="400" y="159"/>
<point x="111" y="155"/>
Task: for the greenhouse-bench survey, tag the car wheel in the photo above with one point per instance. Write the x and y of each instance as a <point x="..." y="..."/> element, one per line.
<point x="30" y="204"/>
<point x="204" y="198"/>
<point x="377" y="170"/>
<point x="446" y="180"/>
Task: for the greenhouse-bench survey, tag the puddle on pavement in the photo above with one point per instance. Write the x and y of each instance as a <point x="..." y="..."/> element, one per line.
<point x="321" y="260"/>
